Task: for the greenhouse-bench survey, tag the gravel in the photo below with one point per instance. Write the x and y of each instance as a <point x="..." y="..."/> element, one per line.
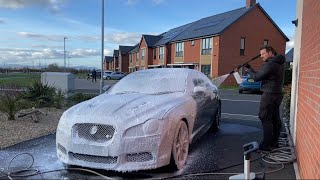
<point x="25" y="128"/>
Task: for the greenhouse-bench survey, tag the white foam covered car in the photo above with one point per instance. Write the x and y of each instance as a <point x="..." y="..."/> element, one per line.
<point x="145" y="121"/>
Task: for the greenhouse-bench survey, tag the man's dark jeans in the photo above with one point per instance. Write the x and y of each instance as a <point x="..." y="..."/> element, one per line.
<point x="270" y="117"/>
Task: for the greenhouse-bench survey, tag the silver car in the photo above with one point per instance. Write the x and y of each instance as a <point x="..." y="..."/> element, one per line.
<point x="114" y="75"/>
<point x="145" y="121"/>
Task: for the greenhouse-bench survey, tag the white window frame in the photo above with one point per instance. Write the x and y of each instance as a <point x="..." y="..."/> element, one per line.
<point x="143" y="53"/>
<point x="206" y="46"/>
<point x="161" y="52"/>
<point x="179" y="49"/>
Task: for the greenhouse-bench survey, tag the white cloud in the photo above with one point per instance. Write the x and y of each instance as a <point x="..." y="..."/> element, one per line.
<point x="289" y="45"/>
<point x="41" y="36"/>
<point x="2" y="21"/>
<point x="53" y="5"/>
<point x="123" y="38"/>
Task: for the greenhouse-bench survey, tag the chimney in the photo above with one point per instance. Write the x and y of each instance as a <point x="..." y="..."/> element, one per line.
<point x="250" y="3"/>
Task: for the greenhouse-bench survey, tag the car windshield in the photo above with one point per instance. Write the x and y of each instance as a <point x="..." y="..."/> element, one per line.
<point x="151" y="82"/>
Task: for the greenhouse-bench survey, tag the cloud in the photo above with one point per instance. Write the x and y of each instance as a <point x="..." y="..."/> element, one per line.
<point x="18" y="54"/>
<point x="53" y="5"/>
<point x="2" y="21"/>
<point x="41" y="36"/>
<point x="123" y="38"/>
<point x="290" y="45"/>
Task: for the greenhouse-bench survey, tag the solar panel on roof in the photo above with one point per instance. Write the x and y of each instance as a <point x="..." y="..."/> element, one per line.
<point x="208" y="24"/>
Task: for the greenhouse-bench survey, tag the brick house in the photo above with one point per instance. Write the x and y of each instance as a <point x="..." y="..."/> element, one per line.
<point x="214" y="45"/>
<point x="123" y="58"/>
<point x="114" y="63"/>
<point x="107" y="62"/>
<point x="134" y="59"/>
<point x="305" y="93"/>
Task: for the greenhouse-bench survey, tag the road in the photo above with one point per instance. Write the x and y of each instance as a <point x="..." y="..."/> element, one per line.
<point x="212" y="152"/>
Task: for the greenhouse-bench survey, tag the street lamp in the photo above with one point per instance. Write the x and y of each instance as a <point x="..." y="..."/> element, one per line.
<point x="102" y="47"/>
<point x="64" y="52"/>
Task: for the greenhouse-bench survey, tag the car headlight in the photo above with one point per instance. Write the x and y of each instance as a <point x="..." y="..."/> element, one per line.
<point x="149" y="127"/>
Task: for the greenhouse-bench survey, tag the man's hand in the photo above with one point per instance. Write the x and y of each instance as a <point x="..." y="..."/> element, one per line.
<point x="246" y="65"/>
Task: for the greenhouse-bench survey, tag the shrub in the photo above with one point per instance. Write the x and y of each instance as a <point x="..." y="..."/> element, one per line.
<point x="41" y="94"/>
<point x="59" y="99"/>
<point x="286" y="101"/>
<point x="11" y="103"/>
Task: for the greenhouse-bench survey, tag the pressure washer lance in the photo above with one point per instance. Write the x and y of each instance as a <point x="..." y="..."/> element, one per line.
<point x="247" y="175"/>
<point x="219" y="80"/>
<point x="236" y="74"/>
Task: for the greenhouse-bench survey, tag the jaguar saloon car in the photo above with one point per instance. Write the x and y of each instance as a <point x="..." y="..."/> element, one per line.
<point x="145" y="121"/>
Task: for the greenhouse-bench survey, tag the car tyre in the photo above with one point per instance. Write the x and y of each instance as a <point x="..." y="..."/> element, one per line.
<point x="180" y="147"/>
<point x="240" y="91"/>
<point x="108" y="78"/>
<point x="217" y="120"/>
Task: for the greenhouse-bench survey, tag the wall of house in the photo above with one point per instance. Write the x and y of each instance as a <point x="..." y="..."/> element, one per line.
<point x="155" y="60"/>
<point x="255" y="27"/>
<point x="144" y="63"/>
<point x="124" y="63"/>
<point x="192" y="53"/>
<point x="150" y="56"/>
<point x="215" y="57"/>
<point x="308" y="111"/>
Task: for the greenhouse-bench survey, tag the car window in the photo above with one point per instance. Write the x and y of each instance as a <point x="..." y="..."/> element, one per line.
<point x="151" y="82"/>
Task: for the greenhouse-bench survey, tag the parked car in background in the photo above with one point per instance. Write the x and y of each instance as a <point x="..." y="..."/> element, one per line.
<point x="248" y="84"/>
<point x="114" y="75"/>
<point x="145" y="121"/>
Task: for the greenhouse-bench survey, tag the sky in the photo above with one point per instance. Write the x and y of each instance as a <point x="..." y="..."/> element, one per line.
<point x="32" y="32"/>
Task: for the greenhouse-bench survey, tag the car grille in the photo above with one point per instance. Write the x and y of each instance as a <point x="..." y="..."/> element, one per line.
<point x="62" y="149"/>
<point x="94" y="159"/>
<point x="139" y="157"/>
<point x="93" y="132"/>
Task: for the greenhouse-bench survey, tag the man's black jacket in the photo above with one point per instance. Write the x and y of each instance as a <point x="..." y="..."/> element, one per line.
<point x="271" y="74"/>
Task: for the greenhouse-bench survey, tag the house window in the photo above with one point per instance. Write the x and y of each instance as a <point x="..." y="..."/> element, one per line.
<point x="161" y="52"/>
<point x="137" y="56"/>
<point x="130" y="58"/>
<point x="154" y="53"/>
<point x="192" y="43"/>
<point x="205" y="69"/>
<point x="143" y="53"/>
<point x="179" y="49"/>
<point x="242" y="46"/>
<point x="265" y="42"/>
<point x="206" y="46"/>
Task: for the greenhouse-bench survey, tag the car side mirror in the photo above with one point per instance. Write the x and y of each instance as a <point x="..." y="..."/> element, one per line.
<point x="199" y="89"/>
<point x="106" y="87"/>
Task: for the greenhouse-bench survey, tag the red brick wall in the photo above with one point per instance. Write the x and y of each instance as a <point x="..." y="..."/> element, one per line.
<point x="125" y="62"/>
<point x="215" y="57"/>
<point x="308" y="112"/>
<point x="167" y="54"/>
<point x="150" y="56"/>
<point x="143" y="44"/>
<point x="255" y="27"/>
<point x="192" y="53"/>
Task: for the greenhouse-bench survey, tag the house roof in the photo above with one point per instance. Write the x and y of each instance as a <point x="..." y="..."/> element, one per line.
<point x="151" y="40"/>
<point x="172" y="33"/>
<point x="212" y="25"/>
<point x="289" y="55"/>
<point x="115" y="53"/>
<point x="135" y="49"/>
<point x="108" y="58"/>
<point x="125" y="49"/>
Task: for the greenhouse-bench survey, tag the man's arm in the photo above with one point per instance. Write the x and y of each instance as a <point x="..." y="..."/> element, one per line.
<point x="261" y="74"/>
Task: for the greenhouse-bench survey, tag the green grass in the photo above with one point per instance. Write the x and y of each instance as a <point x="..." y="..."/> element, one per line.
<point x="234" y="87"/>
<point x="18" y="79"/>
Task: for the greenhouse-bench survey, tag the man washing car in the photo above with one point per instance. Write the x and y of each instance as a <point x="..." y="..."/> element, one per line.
<point x="271" y="74"/>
